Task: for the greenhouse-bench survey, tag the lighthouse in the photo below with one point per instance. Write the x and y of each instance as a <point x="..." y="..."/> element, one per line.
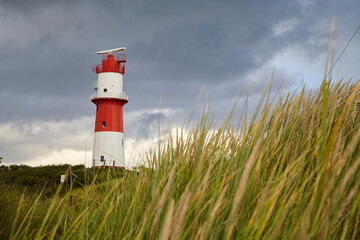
<point x="109" y="99"/>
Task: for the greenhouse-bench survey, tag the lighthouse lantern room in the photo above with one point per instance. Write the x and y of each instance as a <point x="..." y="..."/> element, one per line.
<point x="109" y="99"/>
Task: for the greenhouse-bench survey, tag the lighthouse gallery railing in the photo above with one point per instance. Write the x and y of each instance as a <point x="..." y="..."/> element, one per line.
<point x="122" y="96"/>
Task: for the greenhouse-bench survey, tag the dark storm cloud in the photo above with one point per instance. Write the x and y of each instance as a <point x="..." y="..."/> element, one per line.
<point x="48" y="47"/>
<point x="147" y="123"/>
<point x="25" y="6"/>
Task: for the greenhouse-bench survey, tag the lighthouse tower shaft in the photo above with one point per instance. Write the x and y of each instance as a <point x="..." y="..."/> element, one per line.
<point x="109" y="99"/>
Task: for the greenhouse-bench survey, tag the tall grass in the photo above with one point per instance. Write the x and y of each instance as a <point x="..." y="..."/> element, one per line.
<point x="291" y="172"/>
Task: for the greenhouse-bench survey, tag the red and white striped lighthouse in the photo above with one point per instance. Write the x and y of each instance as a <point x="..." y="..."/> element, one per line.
<point x="109" y="100"/>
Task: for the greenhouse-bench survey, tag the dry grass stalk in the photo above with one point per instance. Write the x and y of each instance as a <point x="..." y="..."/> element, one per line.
<point x="165" y="233"/>
<point x="180" y="215"/>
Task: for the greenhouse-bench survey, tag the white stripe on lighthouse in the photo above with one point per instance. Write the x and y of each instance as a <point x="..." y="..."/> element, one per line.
<point x="110" y="145"/>
<point x="110" y="84"/>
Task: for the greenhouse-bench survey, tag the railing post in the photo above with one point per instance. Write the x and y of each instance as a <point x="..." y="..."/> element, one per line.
<point x="94" y="167"/>
<point x="71" y="185"/>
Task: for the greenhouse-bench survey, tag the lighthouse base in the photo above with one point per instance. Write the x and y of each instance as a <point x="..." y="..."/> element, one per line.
<point x="109" y="149"/>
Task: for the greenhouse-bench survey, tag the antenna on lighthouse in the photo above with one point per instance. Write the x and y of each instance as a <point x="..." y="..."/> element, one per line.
<point x="111" y="50"/>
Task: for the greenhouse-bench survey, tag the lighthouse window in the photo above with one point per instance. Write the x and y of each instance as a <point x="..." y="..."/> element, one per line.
<point x="103" y="124"/>
<point x="105" y="89"/>
<point x="102" y="158"/>
<point x="123" y="142"/>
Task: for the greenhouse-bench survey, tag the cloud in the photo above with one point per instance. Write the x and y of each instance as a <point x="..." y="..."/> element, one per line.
<point x="64" y="156"/>
<point x="144" y="124"/>
<point x="306" y="3"/>
<point x="41" y="142"/>
<point x="285" y="26"/>
<point x="24" y="142"/>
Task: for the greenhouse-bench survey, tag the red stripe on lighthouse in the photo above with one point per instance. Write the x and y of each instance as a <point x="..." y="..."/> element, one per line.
<point x="109" y="114"/>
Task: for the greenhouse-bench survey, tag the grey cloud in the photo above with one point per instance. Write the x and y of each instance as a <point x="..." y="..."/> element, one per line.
<point x="26" y="7"/>
<point x="145" y="124"/>
<point x="21" y="141"/>
<point x="26" y="107"/>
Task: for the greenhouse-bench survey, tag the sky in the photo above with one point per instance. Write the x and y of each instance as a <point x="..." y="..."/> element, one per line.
<point x="174" y="50"/>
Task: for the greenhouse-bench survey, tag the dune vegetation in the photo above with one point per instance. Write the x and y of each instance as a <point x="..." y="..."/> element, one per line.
<point x="291" y="171"/>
